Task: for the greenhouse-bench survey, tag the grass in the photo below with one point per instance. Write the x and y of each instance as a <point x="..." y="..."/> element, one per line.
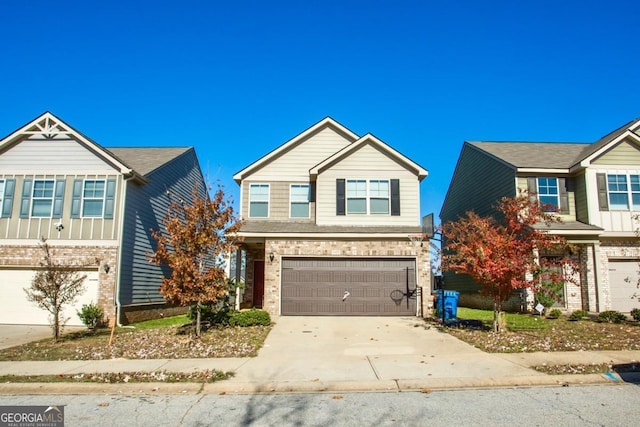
<point x="530" y="333"/>
<point x="207" y="376"/>
<point x="158" y="339"/>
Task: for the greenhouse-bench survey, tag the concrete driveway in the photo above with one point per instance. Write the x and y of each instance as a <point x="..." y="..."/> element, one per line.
<point x="13" y="335"/>
<point x="308" y="349"/>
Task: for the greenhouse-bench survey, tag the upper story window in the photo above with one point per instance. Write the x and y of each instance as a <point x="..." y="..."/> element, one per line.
<point x="623" y="191"/>
<point x="299" y="197"/>
<point x="259" y="200"/>
<point x="42" y="198"/>
<point x="379" y="197"/>
<point x="548" y="194"/>
<point x="93" y="198"/>
<point x="356" y="196"/>
<point x="374" y="196"/>
<point x="1" y="194"/>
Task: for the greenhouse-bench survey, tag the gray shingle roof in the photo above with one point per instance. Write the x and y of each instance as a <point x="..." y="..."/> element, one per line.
<point x="546" y="155"/>
<point x="145" y="160"/>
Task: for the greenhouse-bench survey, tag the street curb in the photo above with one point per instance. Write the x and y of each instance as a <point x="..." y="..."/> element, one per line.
<point x="230" y="387"/>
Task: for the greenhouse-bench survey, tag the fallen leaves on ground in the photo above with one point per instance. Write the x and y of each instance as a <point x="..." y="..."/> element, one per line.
<point x="206" y="376"/>
<point x="156" y="343"/>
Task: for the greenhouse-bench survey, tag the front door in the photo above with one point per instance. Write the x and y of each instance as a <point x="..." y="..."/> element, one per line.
<point x="258" y="283"/>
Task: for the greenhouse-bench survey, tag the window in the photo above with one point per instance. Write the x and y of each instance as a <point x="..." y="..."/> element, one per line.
<point x="548" y="194"/>
<point x="1" y="194"/>
<point x="356" y="196"/>
<point x="379" y="197"/>
<point x="42" y="198"/>
<point x="299" y="197"/>
<point x="623" y="191"/>
<point x="259" y="200"/>
<point x="93" y="198"/>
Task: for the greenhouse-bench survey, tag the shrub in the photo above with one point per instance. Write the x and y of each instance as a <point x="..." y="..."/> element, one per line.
<point x="611" y="316"/>
<point x="555" y="313"/>
<point x="253" y="317"/>
<point x="635" y="313"/>
<point x="578" y="315"/>
<point x="92" y="315"/>
<point x="210" y="314"/>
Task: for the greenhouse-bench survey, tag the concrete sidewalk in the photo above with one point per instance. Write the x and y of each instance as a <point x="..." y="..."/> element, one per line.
<point x="311" y="354"/>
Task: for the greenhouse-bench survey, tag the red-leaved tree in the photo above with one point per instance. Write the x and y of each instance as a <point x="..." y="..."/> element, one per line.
<point x="505" y="255"/>
<point x="195" y="239"/>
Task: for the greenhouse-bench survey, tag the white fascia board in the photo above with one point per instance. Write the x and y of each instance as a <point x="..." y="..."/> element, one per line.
<point x="61" y="242"/>
<point x="574" y="232"/>
<point x="328" y="121"/>
<point x="627" y="134"/>
<point x="544" y="171"/>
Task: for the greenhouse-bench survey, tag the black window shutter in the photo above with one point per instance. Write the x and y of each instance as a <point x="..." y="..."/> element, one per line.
<point x="603" y="200"/>
<point x="340" y="197"/>
<point x="395" y="197"/>
<point x="564" y="196"/>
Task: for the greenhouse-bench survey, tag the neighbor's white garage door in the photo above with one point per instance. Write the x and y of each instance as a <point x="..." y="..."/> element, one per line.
<point x="623" y="284"/>
<point x="16" y="309"/>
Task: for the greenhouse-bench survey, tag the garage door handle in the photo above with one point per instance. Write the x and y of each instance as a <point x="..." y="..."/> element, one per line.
<point x="346" y="295"/>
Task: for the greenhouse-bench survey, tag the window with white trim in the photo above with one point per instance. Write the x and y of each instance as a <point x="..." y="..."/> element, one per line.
<point x="93" y="196"/>
<point x="356" y="196"/>
<point x="548" y="193"/>
<point x="42" y="197"/>
<point x="379" y="196"/>
<point x="623" y="191"/>
<point x="259" y="201"/>
<point x="1" y="194"/>
<point x="299" y="199"/>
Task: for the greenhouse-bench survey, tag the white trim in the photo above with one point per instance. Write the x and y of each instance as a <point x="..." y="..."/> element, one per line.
<point x="329" y="236"/>
<point x="544" y="171"/>
<point x="626" y="134"/>
<point x="61" y="242"/>
<point x="308" y="185"/>
<point x="268" y="185"/>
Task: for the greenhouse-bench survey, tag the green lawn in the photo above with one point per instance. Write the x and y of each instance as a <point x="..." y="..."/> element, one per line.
<point x="163" y="322"/>
<point x="514" y="321"/>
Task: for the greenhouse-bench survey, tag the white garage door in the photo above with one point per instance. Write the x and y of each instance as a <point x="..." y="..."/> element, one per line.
<point x="623" y="284"/>
<point x="16" y="309"/>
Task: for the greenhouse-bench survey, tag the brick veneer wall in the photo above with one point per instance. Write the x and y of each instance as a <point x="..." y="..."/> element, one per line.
<point x="91" y="257"/>
<point x="332" y="248"/>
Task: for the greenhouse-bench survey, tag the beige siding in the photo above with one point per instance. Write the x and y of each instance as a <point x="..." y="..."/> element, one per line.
<point x="580" y="196"/>
<point x="613" y="220"/>
<point x="295" y="164"/>
<point x="15" y="227"/>
<point x="51" y="156"/>
<point x="626" y="153"/>
<point x="368" y="163"/>
<point x="279" y="209"/>
<point x="522" y="186"/>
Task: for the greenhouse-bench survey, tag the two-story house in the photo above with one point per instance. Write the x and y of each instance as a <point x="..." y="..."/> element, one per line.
<point x="328" y="216"/>
<point x="593" y="187"/>
<point x="96" y="207"/>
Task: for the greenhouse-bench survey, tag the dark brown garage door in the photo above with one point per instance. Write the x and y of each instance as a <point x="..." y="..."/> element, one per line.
<point x="348" y="287"/>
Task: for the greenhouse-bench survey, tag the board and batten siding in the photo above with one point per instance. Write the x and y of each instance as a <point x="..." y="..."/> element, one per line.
<point x="611" y="220"/>
<point x="294" y="165"/>
<point x="479" y="181"/>
<point x="368" y="162"/>
<point x="146" y="207"/>
<point x="279" y="202"/>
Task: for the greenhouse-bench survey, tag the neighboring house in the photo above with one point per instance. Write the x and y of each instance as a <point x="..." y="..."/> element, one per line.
<point x="595" y="189"/>
<point x="328" y="217"/>
<point x="96" y="206"/>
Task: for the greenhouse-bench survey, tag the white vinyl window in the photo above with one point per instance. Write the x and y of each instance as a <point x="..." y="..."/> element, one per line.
<point x="623" y="191"/>
<point x="93" y="196"/>
<point x="379" y="196"/>
<point x="259" y="201"/>
<point x="42" y="198"/>
<point x="299" y="197"/>
<point x="356" y="196"/>
<point x="1" y="194"/>
<point x="368" y="197"/>
<point x="548" y="193"/>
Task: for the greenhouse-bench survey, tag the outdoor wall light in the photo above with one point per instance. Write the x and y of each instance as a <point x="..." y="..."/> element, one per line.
<point x="106" y="268"/>
<point x="271" y="256"/>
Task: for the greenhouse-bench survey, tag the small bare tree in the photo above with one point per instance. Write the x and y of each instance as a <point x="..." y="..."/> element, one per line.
<point x="54" y="286"/>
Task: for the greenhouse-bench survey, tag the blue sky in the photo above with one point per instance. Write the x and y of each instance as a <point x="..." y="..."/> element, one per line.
<point x="237" y="79"/>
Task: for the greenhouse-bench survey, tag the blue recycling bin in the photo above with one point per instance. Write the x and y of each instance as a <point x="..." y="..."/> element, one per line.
<point x="450" y="304"/>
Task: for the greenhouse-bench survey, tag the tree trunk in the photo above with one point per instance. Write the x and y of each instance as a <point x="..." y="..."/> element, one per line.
<point x="496" y="316"/>
<point x="198" y="309"/>
<point x="56" y="325"/>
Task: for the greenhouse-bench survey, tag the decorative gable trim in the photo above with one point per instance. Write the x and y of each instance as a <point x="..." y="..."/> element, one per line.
<point x="326" y="122"/>
<point x="369" y="139"/>
<point x="48" y="126"/>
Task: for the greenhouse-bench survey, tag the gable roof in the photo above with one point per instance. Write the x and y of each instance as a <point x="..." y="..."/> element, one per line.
<point x="556" y="155"/>
<point x="327" y="122"/>
<point x="140" y="161"/>
<point x="369" y="139"/>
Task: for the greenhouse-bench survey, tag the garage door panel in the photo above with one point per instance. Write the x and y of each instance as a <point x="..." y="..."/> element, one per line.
<point x="623" y="284"/>
<point x="371" y="284"/>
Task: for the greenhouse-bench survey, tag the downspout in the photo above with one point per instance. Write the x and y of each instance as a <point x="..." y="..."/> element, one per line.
<point x="123" y="198"/>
